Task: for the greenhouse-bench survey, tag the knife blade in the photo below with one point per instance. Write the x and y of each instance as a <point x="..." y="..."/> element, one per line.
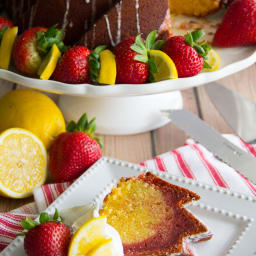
<point x="222" y="148"/>
<point x="239" y="112"/>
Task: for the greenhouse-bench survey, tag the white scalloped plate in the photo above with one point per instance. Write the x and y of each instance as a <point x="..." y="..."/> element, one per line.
<point x="230" y="216"/>
<point x="233" y="60"/>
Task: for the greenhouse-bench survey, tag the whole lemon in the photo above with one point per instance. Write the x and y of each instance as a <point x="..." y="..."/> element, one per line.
<point x="33" y="111"/>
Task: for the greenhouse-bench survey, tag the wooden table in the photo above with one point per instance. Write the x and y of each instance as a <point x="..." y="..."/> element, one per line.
<point x="137" y="148"/>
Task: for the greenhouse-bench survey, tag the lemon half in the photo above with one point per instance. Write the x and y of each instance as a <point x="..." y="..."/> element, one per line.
<point x="166" y="68"/>
<point x="23" y="163"/>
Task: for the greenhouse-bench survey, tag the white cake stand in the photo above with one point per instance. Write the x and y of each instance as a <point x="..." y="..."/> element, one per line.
<point x="130" y="109"/>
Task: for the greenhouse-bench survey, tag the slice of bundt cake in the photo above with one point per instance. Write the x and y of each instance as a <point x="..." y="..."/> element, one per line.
<point x="128" y="18"/>
<point x="195" y="7"/>
<point x="149" y="215"/>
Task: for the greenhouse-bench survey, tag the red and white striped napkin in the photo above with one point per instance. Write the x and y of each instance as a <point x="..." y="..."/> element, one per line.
<point x="192" y="161"/>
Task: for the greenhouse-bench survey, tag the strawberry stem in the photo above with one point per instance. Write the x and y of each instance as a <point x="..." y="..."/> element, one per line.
<point x="46" y="39"/>
<point x="94" y="61"/>
<point x="143" y="51"/>
<point x="2" y="30"/>
<point x="201" y="47"/>
<point x="84" y="126"/>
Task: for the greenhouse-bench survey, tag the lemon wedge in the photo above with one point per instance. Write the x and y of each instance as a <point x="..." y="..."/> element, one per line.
<point x="104" y="249"/>
<point x="107" y="73"/>
<point x="166" y="68"/>
<point x="90" y="236"/>
<point x="213" y="59"/>
<point x="49" y="63"/>
<point x="23" y="163"/>
<point x="6" y="47"/>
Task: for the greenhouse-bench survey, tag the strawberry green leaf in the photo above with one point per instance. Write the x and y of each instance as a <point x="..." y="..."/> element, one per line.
<point x="141" y="58"/>
<point x="2" y="30"/>
<point x="21" y="234"/>
<point x="99" y="142"/>
<point x="206" y="65"/>
<point x="44" y="217"/>
<point x="140" y="43"/>
<point x="151" y="38"/>
<point x="94" y="62"/>
<point x="137" y="49"/>
<point x="197" y="35"/>
<point x="28" y="223"/>
<point x="199" y="49"/>
<point x="56" y="215"/>
<point x="82" y="123"/>
<point x="71" y="126"/>
<point x="157" y="45"/>
<point x="46" y="39"/>
<point x="99" y="49"/>
<point x="189" y="39"/>
<point x="152" y="66"/>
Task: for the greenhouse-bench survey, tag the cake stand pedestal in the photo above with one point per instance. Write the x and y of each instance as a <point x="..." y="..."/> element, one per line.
<point x="122" y="115"/>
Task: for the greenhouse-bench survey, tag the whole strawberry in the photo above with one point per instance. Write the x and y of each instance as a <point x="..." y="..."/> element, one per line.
<point x="73" y="68"/>
<point x="238" y="27"/>
<point x="74" y="151"/>
<point x="132" y="59"/>
<point x="47" y="238"/>
<point x="33" y="45"/>
<point x="4" y="24"/>
<point x="187" y="54"/>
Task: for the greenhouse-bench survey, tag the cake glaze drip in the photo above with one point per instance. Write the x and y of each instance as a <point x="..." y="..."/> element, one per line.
<point x="137" y="6"/>
<point x="65" y="18"/>
<point x="32" y="15"/>
<point x="119" y="24"/>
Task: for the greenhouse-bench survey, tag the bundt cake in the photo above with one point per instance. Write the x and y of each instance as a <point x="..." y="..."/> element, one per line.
<point x="128" y="18"/>
<point x="149" y="215"/>
<point x="195" y="7"/>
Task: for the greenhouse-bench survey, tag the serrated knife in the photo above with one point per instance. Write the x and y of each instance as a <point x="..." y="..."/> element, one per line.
<point x="222" y="148"/>
<point x="239" y="112"/>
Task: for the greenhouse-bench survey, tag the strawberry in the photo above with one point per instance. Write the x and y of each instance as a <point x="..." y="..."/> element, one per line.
<point x="238" y="25"/>
<point x="186" y="53"/>
<point x="132" y="59"/>
<point x="73" y="68"/>
<point x="47" y="238"/>
<point x="4" y="24"/>
<point x="33" y="45"/>
<point x="74" y="151"/>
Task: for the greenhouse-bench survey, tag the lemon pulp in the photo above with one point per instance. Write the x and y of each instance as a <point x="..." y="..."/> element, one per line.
<point x="89" y="237"/>
<point x="23" y="163"/>
<point x="213" y="59"/>
<point x="166" y="68"/>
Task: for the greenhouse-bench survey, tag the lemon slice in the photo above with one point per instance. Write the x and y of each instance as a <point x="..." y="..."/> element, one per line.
<point x="107" y="73"/>
<point x="166" y="68"/>
<point x="105" y="249"/>
<point x="6" y="47"/>
<point x="213" y="59"/>
<point x="49" y="63"/>
<point x="89" y="237"/>
<point x="23" y="163"/>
